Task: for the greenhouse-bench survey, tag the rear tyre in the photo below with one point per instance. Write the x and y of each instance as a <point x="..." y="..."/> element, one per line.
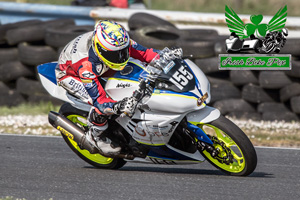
<point x="79" y="117"/>
<point x="236" y="155"/>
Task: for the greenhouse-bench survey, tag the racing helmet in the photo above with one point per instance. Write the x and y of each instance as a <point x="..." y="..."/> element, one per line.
<point x="111" y="44"/>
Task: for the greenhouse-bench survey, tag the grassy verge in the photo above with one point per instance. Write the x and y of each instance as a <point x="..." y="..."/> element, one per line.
<point x="28" y="109"/>
<point x="278" y="138"/>
<point x="267" y="7"/>
<point x="27" y="119"/>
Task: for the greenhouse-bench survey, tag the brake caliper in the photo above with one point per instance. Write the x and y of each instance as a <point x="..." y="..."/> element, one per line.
<point x="224" y="153"/>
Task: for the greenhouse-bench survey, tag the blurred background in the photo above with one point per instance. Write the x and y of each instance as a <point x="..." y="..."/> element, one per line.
<point x="266" y="7"/>
<point x="33" y="32"/>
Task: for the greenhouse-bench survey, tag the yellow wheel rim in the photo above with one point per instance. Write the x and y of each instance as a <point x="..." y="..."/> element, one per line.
<point x="238" y="163"/>
<point x="97" y="158"/>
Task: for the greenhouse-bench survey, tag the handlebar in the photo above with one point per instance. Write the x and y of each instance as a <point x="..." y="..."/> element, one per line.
<point x="154" y="68"/>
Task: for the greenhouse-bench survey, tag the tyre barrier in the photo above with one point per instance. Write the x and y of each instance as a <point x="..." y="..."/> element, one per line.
<point x="35" y="32"/>
<point x="34" y="55"/>
<point x="243" y="94"/>
<point x="8" y="54"/>
<point x="139" y="20"/>
<point x="4" y="28"/>
<point x="156" y="37"/>
<point x="59" y="36"/>
<point x="238" y="105"/>
<point x="273" y="79"/>
<point x="243" y="77"/>
<point x="289" y="91"/>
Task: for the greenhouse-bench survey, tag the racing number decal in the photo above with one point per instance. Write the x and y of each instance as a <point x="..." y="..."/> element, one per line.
<point x="181" y="77"/>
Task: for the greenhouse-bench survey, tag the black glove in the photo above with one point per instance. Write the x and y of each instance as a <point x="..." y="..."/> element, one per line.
<point x="177" y="51"/>
<point x="126" y="105"/>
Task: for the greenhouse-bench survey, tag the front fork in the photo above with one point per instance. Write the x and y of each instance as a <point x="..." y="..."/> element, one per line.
<point x="202" y="140"/>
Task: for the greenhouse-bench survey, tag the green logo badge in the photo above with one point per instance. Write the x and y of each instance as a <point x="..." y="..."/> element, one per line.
<point x="235" y="24"/>
<point x="256" y="37"/>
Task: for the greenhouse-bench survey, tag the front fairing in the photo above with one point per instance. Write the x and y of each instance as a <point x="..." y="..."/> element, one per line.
<point x="176" y="89"/>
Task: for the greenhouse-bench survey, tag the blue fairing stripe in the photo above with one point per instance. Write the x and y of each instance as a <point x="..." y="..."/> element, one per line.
<point x="48" y="71"/>
<point x="190" y="94"/>
<point x="134" y="75"/>
<point x="201" y="135"/>
<point x="163" y="152"/>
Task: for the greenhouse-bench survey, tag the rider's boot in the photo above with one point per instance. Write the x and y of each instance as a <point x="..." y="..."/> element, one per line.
<point x="97" y="125"/>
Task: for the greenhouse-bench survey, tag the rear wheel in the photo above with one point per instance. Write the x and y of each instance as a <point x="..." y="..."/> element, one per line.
<point x="236" y="154"/>
<point x="79" y="117"/>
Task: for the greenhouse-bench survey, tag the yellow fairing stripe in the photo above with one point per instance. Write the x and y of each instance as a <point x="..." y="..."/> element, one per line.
<point x="177" y="95"/>
<point x="139" y="66"/>
<point x="151" y="144"/>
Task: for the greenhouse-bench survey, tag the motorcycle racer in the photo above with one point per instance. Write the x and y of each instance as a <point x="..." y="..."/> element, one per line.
<point x="90" y="56"/>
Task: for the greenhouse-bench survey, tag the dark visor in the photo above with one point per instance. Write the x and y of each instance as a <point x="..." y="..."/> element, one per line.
<point x="119" y="56"/>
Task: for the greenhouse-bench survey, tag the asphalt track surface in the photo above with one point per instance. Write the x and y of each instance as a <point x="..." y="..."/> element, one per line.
<point x="44" y="167"/>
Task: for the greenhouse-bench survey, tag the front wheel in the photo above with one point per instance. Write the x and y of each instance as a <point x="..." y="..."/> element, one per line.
<point x="236" y="154"/>
<point x="78" y="117"/>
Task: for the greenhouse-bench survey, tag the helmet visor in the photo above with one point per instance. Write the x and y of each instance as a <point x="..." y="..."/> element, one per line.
<point x="118" y="57"/>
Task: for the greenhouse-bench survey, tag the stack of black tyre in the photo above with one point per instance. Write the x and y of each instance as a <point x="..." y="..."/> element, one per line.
<point x="25" y="45"/>
<point x="257" y="95"/>
<point x="244" y="94"/>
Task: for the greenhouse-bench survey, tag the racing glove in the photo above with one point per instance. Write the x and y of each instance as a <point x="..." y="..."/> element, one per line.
<point x="176" y="51"/>
<point x="126" y="105"/>
<point x="164" y="57"/>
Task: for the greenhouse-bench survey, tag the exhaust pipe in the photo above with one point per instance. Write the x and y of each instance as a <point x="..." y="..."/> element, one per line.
<point x="75" y="133"/>
<point x="70" y="130"/>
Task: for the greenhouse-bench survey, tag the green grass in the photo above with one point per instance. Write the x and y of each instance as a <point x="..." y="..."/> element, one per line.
<point x="264" y="7"/>
<point x="29" y="109"/>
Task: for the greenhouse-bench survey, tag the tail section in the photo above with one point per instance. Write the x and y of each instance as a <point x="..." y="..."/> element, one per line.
<point x="48" y="79"/>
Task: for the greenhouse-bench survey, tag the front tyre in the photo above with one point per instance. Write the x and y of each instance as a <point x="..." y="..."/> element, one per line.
<point x="79" y="117"/>
<point x="236" y="154"/>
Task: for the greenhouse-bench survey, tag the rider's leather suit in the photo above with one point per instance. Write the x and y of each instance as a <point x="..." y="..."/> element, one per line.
<point x="79" y="67"/>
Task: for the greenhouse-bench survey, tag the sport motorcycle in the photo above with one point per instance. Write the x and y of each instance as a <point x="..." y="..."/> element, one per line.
<point x="171" y="123"/>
